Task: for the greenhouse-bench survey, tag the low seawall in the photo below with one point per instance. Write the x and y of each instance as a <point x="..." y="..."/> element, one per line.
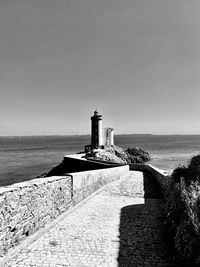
<point x="77" y="163"/>
<point x="162" y="178"/>
<point x="26" y="207"/>
<point x="85" y="183"/>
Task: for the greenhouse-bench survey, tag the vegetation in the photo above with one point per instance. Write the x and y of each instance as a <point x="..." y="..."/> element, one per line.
<point x="181" y="228"/>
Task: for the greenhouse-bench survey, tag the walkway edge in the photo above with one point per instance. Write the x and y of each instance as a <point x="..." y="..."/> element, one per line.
<point x="13" y="251"/>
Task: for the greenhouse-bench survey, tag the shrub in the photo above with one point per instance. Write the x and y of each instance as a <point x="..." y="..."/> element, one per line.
<point x="195" y="164"/>
<point x="194" y="168"/>
<point x="183" y="237"/>
<point x="182" y="224"/>
<point x="173" y="211"/>
<point x="137" y="155"/>
<point x="178" y="173"/>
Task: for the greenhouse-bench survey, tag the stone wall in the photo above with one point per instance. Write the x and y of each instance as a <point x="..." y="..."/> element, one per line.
<point x="85" y="183"/>
<point x="26" y="207"/>
<point x="162" y="178"/>
<point x="78" y="164"/>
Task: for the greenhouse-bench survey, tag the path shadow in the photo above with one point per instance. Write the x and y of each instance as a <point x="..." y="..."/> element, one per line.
<point x="140" y="235"/>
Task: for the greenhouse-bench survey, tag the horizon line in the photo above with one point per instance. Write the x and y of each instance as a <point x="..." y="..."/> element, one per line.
<point x="54" y="135"/>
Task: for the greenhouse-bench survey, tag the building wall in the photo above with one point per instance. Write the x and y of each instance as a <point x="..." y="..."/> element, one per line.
<point x="96" y="132"/>
<point x="108" y="137"/>
<point x="100" y="133"/>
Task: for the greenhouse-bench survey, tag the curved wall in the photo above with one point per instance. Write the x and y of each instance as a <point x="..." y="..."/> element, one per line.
<point x="162" y="178"/>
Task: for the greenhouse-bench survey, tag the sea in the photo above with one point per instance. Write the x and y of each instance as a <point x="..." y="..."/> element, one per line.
<point x="24" y="158"/>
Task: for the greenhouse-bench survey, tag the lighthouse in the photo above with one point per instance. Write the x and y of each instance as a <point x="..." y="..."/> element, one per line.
<point x="96" y="130"/>
<point x="99" y="137"/>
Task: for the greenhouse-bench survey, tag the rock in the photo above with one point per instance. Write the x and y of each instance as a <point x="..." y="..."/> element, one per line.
<point x="106" y="154"/>
<point x="117" y="154"/>
<point x="137" y="155"/>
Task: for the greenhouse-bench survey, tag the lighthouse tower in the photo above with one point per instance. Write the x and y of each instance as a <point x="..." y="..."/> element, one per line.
<point x="96" y="130"/>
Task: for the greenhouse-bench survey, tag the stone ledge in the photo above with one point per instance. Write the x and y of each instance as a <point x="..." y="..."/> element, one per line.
<point x="85" y="183"/>
<point x="163" y="178"/>
<point x="37" y="181"/>
<point x="27" y="207"/>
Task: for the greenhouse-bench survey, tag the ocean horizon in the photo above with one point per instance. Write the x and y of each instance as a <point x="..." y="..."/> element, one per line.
<point x="26" y="157"/>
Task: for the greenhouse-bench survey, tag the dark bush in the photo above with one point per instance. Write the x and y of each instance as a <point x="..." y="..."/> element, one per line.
<point x="198" y="208"/>
<point x="182" y="223"/>
<point x="190" y="173"/>
<point x="183" y="238"/>
<point x="194" y="169"/>
<point x="137" y="154"/>
<point x="195" y="164"/>
<point x="178" y="173"/>
<point x="173" y="210"/>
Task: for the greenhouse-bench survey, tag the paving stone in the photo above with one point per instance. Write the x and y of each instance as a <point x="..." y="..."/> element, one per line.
<point x="120" y="226"/>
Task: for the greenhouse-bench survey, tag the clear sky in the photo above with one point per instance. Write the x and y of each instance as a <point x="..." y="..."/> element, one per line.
<point x="136" y="61"/>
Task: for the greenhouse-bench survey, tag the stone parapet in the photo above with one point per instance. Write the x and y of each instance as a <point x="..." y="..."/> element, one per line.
<point x="163" y="178"/>
<point x="28" y="206"/>
<point x="85" y="183"/>
<point x="25" y="207"/>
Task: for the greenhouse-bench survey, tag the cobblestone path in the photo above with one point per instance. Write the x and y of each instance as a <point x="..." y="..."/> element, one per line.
<point x="120" y="226"/>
